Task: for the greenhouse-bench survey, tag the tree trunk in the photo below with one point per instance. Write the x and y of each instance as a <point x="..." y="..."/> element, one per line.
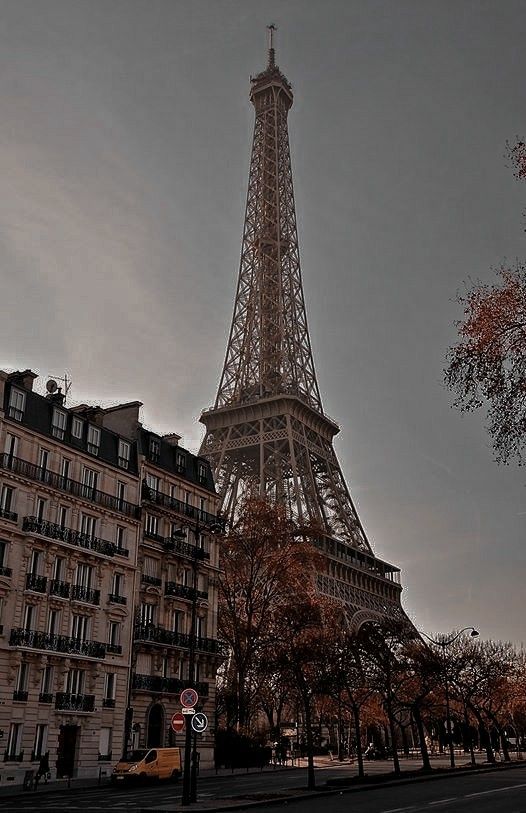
<point x="357" y="728"/>
<point x="390" y="717"/>
<point x="426" y="764"/>
<point x="470" y="738"/>
<point x="482" y="726"/>
<point x="311" y="780"/>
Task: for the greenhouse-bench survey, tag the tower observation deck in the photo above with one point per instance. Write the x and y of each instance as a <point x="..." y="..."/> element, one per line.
<point x="267" y="432"/>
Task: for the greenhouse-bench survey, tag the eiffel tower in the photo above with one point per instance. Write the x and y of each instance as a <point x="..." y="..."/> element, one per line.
<point x="267" y="431"/>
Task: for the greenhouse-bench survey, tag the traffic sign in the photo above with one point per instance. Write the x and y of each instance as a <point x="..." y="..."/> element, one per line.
<point x="177" y="722"/>
<point x="189" y="698"/>
<point x="188" y="711"/>
<point x="199" y="722"/>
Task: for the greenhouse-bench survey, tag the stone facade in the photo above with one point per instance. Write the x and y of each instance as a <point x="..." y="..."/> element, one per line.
<point x="95" y="597"/>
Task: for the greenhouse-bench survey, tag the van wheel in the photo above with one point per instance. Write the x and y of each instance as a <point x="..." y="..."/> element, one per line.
<point x="143" y="777"/>
<point x="176" y="775"/>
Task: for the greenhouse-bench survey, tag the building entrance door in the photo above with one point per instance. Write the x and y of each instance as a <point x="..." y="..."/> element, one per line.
<point x="154" y="737"/>
<point x="67" y="750"/>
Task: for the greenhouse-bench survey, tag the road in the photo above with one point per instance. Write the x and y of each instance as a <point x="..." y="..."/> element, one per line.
<point x="504" y="791"/>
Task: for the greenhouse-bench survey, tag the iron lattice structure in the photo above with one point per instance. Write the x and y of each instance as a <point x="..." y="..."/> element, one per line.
<point x="267" y="432"/>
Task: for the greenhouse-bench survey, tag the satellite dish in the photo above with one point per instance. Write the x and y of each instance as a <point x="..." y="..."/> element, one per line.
<point x="51" y="386"/>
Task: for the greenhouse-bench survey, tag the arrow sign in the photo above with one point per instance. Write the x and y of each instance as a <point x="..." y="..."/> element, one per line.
<point x="199" y="722"/>
<point x="189" y="698"/>
<point x="177" y="722"/>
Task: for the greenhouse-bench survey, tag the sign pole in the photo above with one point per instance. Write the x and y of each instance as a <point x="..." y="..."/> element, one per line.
<point x="193" y="775"/>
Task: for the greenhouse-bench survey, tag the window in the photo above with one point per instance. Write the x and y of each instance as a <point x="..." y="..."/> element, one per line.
<point x="187" y="578"/>
<point x="11" y="445"/>
<point x="93" y="439"/>
<point x="40" y="744"/>
<point x="165" y="667"/>
<point x="151" y="567"/>
<point x="43" y="460"/>
<point x="17" y="404"/>
<point x="58" y="423"/>
<point x="88" y="524"/>
<point x="120" y="537"/>
<point x="114" y="633"/>
<point x="180" y="462"/>
<point x="65" y="468"/>
<point x="118" y="583"/>
<point x="46" y="684"/>
<point x="121" y="491"/>
<point x="105" y="738"/>
<point x="6" y="498"/>
<point x="109" y="686"/>
<point x="202" y="504"/>
<point x="40" y="508"/>
<point x="63" y="513"/>
<point x="29" y="614"/>
<point x="79" y="627"/>
<point x="151" y="757"/>
<point x="152" y="482"/>
<point x="34" y="563"/>
<point x="123" y="455"/>
<point x="173" y="492"/>
<point x="53" y="622"/>
<point x="144" y="663"/>
<point x="176" y="620"/>
<point x="84" y="576"/>
<point x="155" y="450"/>
<point x="59" y="568"/>
<point x="187" y="498"/>
<point x="22" y="679"/>
<point x="75" y="681"/>
<point x="201" y="472"/>
<point x="199" y="627"/>
<point x="3" y="551"/>
<point x="146" y="614"/>
<point x="151" y="524"/>
<point x="77" y="428"/>
<point x="14" y="743"/>
<point x="89" y="479"/>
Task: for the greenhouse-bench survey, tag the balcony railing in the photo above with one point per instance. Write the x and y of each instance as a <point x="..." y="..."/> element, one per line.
<point x="54" y="480"/>
<point x="57" y="643"/>
<point x="202" y="518"/>
<point x="108" y="702"/>
<point x="45" y="697"/>
<point x="87" y="594"/>
<point x="116" y="599"/>
<point x="14" y="757"/>
<point x="158" y="635"/>
<point x="6" y="571"/>
<point x="162" y="685"/>
<point x="183" y="591"/>
<point x="58" y="588"/>
<point x="36" y="583"/>
<point x="8" y="515"/>
<point x="20" y="696"/>
<point x="184" y="549"/>
<point x="74" y="702"/>
<point x="68" y="535"/>
<point x="114" y="649"/>
<point x="155" y="580"/>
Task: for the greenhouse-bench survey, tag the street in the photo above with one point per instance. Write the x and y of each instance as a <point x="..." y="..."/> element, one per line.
<point x="502" y="790"/>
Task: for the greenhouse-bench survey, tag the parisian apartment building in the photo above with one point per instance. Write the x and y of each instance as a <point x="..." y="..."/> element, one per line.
<point x="108" y="563"/>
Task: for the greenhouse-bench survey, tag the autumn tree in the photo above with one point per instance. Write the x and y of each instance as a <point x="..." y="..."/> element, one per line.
<point x="487" y="366"/>
<point x="264" y="559"/>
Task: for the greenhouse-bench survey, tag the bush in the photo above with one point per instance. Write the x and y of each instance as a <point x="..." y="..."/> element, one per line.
<point x="233" y="750"/>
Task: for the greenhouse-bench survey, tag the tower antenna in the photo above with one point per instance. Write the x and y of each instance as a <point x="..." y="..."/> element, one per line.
<point x="271" y="53"/>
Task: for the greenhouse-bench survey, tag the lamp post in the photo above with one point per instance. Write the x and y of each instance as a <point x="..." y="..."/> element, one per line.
<point x="443" y="645"/>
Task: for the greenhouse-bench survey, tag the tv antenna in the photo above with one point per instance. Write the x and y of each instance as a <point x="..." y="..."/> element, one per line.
<point x="52" y="386"/>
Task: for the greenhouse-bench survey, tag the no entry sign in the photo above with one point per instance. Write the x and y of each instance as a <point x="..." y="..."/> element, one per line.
<point x="178" y="722"/>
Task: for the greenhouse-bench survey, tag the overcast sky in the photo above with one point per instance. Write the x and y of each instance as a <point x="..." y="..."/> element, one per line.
<point x="125" y="137"/>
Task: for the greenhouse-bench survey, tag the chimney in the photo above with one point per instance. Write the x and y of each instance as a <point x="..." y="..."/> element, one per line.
<point x="171" y="439"/>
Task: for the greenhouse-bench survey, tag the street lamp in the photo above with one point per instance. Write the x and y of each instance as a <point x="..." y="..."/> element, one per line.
<point x="443" y="644"/>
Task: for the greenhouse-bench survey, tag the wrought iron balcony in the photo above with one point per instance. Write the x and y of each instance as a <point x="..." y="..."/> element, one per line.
<point x="162" y="685"/>
<point x="108" y="702"/>
<point x="183" y="591"/>
<point x="10" y="515"/>
<point x="86" y="594"/>
<point x="14" y="757"/>
<point x="151" y="580"/>
<point x="122" y="552"/>
<point x="181" y="548"/>
<point x="116" y="599"/>
<point x="32" y="639"/>
<point x="81" y="490"/>
<point x="158" y="635"/>
<point x="20" y="696"/>
<point x="68" y="535"/>
<point x="153" y="535"/>
<point x="38" y="584"/>
<point x="45" y="697"/>
<point x="74" y="702"/>
<point x="6" y="571"/>
<point x="114" y="649"/>
<point x="201" y="518"/>
<point x="58" y="588"/>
